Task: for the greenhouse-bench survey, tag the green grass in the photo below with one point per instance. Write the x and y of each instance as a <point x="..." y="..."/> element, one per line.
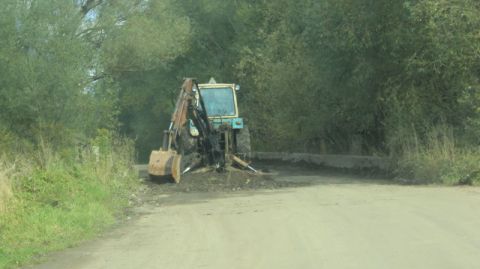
<point x="61" y="202"/>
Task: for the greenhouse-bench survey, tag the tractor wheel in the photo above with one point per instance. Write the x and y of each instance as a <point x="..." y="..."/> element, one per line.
<point x="187" y="143"/>
<point x="244" y="149"/>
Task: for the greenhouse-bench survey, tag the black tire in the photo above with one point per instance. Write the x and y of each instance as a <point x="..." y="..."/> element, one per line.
<point x="187" y="144"/>
<point x="244" y="149"/>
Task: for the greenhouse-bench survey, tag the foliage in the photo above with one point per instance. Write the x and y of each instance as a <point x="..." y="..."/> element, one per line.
<point x="325" y="76"/>
<point x="64" y="63"/>
<point x="330" y="73"/>
<point x="39" y="77"/>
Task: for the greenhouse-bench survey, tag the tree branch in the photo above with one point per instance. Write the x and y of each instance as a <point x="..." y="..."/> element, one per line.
<point x="89" y="5"/>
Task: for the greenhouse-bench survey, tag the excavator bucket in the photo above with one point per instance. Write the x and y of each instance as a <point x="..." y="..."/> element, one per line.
<point x="165" y="163"/>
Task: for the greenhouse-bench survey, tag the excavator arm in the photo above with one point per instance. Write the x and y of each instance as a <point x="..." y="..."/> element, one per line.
<point x="168" y="160"/>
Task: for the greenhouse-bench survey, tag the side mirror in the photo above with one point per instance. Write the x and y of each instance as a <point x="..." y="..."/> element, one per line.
<point x="237" y="87"/>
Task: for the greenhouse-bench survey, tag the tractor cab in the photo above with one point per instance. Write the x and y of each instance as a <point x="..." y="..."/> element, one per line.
<point x="220" y="102"/>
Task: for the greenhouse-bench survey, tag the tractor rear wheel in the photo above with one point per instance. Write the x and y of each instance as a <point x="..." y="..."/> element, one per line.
<point x="244" y="149"/>
<point x="186" y="143"/>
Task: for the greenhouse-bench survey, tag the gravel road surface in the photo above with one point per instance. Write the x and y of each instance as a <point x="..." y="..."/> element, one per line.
<point x="319" y="220"/>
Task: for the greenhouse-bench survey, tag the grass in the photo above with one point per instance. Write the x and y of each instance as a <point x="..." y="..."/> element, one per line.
<point x="52" y="202"/>
<point x="439" y="160"/>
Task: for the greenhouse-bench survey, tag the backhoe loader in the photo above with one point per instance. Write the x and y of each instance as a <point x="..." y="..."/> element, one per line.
<point x="205" y="130"/>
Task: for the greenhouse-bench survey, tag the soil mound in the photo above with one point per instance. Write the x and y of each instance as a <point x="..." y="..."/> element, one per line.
<point x="228" y="181"/>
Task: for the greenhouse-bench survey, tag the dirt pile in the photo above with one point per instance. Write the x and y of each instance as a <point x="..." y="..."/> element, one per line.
<point x="229" y="181"/>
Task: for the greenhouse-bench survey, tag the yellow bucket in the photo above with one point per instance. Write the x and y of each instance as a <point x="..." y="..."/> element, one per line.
<point x="165" y="163"/>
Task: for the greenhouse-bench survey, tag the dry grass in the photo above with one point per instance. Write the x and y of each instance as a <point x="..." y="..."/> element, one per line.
<point x="440" y="160"/>
<point x="6" y="192"/>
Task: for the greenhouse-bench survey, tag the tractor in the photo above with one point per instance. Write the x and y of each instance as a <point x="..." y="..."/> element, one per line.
<point x="205" y="131"/>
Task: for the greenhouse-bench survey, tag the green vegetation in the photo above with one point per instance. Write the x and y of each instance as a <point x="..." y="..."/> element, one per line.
<point x="65" y="172"/>
<point x="397" y="78"/>
<point x="49" y="202"/>
<point x="330" y="76"/>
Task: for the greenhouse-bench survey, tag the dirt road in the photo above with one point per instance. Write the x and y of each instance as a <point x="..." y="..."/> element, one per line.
<point x="336" y="222"/>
